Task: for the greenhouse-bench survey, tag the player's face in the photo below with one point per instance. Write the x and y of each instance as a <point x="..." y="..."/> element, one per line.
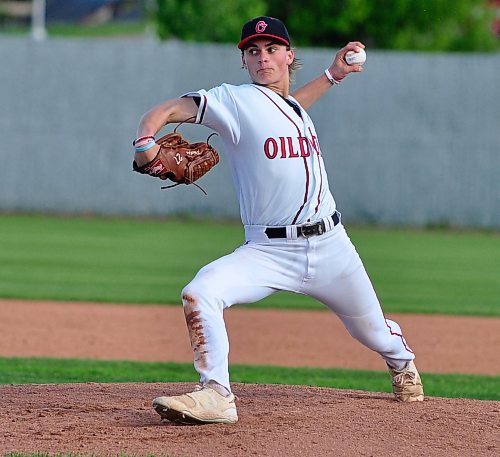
<point x="268" y="62"/>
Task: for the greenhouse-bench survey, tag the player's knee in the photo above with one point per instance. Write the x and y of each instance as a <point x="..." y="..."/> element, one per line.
<point x="199" y="296"/>
<point x="190" y="295"/>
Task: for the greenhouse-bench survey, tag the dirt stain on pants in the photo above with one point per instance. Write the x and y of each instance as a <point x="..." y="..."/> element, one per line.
<point x="195" y="328"/>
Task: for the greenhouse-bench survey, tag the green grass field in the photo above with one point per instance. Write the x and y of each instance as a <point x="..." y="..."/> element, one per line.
<point x="45" y="371"/>
<point x="149" y="261"/>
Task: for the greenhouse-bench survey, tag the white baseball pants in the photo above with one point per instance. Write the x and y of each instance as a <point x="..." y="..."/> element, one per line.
<point x="326" y="267"/>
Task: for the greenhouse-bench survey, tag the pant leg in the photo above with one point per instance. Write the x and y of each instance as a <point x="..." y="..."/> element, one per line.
<point x="343" y="285"/>
<point x="247" y="275"/>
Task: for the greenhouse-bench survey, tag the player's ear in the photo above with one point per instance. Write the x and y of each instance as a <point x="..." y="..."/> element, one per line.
<point x="290" y="56"/>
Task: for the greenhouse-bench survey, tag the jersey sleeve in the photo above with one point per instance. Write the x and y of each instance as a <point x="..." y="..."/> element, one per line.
<point x="218" y="110"/>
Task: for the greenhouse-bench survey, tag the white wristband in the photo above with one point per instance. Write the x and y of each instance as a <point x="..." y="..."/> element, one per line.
<point x="331" y="78"/>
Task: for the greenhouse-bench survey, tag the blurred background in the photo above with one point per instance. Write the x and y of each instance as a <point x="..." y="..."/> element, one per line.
<point x="413" y="141"/>
<point x="432" y="25"/>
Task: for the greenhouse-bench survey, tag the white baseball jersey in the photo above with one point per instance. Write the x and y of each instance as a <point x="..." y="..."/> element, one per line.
<point x="278" y="169"/>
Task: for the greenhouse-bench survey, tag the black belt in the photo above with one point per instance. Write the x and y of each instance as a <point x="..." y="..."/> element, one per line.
<point x="305" y="230"/>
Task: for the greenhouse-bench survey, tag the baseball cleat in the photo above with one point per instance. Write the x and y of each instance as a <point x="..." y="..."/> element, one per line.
<point x="203" y="406"/>
<point x="406" y="383"/>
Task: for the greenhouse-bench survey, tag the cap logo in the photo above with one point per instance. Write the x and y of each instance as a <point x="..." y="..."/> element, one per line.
<point x="260" y="27"/>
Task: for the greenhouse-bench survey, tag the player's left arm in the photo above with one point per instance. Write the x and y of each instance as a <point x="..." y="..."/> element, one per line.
<point x="170" y="111"/>
<point x="311" y="92"/>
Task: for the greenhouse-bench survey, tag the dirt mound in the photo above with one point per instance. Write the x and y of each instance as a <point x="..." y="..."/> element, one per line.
<point x="109" y="419"/>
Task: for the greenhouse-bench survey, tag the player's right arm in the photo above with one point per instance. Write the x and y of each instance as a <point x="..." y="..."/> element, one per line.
<point x="171" y="111"/>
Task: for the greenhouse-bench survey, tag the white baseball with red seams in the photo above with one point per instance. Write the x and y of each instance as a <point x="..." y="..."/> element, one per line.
<point x="280" y="180"/>
<point x="356" y="58"/>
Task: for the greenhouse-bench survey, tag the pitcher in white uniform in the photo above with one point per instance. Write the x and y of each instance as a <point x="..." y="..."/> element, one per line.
<point x="294" y="237"/>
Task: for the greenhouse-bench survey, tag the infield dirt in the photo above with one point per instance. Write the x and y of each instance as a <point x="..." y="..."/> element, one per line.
<point x="110" y="419"/>
<point x="443" y="344"/>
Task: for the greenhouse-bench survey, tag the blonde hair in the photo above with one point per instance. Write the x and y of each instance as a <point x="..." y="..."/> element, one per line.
<point x="294" y="66"/>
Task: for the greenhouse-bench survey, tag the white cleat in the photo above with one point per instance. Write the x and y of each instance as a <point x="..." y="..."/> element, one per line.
<point x="203" y="406"/>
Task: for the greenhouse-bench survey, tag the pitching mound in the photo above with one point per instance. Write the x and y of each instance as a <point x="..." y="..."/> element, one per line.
<point x="109" y="419"/>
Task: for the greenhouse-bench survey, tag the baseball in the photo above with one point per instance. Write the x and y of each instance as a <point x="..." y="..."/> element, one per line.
<point x="355" y="58"/>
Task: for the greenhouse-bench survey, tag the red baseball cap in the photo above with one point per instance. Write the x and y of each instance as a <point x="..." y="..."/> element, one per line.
<point x="264" y="26"/>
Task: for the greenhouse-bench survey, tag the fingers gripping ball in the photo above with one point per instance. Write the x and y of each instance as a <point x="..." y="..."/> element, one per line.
<point x="355" y="58"/>
<point x="180" y="161"/>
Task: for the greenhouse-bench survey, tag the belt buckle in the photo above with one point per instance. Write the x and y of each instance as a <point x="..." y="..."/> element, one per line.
<point x="308" y="230"/>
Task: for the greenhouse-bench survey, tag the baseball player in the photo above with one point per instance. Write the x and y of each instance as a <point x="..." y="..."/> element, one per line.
<point x="294" y="237"/>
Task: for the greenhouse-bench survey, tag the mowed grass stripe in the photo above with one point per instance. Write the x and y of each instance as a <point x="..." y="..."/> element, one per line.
<point x="15" y="370"/>
<point x="150" y="261"/>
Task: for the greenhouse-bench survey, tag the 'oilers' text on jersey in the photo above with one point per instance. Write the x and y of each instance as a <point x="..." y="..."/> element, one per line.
<point x="289" y="147"/>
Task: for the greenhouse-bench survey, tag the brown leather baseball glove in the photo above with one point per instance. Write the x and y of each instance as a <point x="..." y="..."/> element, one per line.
<point x="180" y="161"/>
